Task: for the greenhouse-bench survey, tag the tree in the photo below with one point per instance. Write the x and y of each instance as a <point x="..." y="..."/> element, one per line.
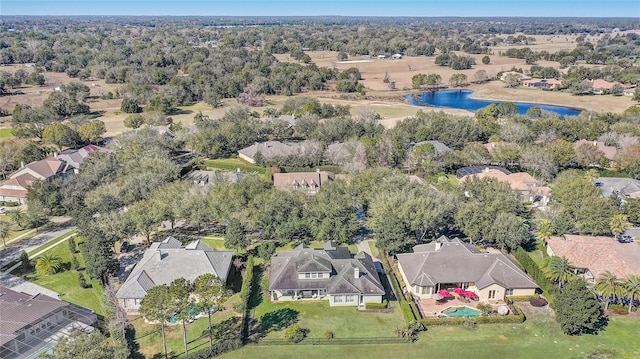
<point x="59" y="134"/>
<point x="544" y="230"/>
<point x="251" y="96"/>
<point x="486" y="60"/>
<point x="48" y="263"/>
<point x="210" y="293"/>
<point x="636" y="94"/>
<point x="457" y="80"/>
<point x="4" y="232"/>
<point x="130" y="105"/>
<point x="330" y="214"/>
<point x="86" y="345"/>
<point x="92" y="132"/>
<point x="180" y="293"/>
<point x="133" y="121"/>
<point x="144" y="218"/>
<point x="234" y="236"/>
<point x="18" y="217"/>
<point x="589" y="155"/>
<point x="160" y="103"/>
<point x="481" y="76"/>
<point x="508" y="231"/>
<point x="512" y="80"/>
<point x="631" y="288"/>
<point x="577" y="310"/>
<point x="157" y="306"/>
<point x="342" y="56"/>
<point x="558" y="269"/>
<point x="608" y="285"/>
<point x="618" y="224"/>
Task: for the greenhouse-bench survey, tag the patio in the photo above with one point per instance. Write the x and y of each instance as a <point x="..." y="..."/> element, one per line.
<point x="430" y="308"/>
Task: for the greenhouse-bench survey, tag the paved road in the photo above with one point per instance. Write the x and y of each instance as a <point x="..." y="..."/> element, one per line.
<point x="61" y="227"/>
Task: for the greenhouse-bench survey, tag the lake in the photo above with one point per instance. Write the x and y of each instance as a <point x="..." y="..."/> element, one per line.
<point x="460" y="99"/>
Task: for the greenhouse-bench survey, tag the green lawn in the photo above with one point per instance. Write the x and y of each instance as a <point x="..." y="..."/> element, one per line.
<point x="5" y="133"/>
<point x="149" y="336"/>
<point x="215" y="242"/>
<point x="54" y="242"/>
<point x="65" y="282"/>
<point x="538" y="337"/>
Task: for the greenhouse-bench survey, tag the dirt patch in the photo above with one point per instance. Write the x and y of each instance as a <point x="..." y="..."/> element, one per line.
<point x="529" y="309"/>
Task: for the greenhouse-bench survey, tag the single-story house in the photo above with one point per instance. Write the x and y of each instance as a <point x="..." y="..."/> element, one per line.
<point x="521" y="77"/>
<point x="328" y="273"/>
<point x="309" y="182"/>
<point x="16" y="187"/>
<point x="75" y="158"/>
<point x="529" y="188"/>
<point x="542" y="83"/>
<point x="166" y="261"/>
<point x="269" y="149"/>
<point x="439" y="147"/>
<point x="32" y="324"/>
<point x="203" y="178"/>
<point x="446" y="264"/>
<point x="609" y="152"/>
<point x="622" y="188"/>
<point x="592" y="256"/>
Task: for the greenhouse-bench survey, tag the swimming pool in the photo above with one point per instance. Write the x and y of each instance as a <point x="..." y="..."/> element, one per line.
<point x="460" y="312"/>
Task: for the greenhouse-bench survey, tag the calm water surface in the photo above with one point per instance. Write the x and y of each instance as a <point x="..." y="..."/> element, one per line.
<point x="460" y="99"/>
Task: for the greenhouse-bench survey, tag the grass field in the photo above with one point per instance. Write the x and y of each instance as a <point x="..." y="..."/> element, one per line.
<point x="5" y="133"/>
<point x="538" y="337"/>
<point x="65" y="282"/>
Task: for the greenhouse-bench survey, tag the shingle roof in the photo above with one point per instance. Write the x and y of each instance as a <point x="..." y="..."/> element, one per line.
<point x="269" y="149"/>
<point x="75" y="158"/>
<point x="438" y="146"/>
<point x="520" y="181"/>
<point x="166" y="261"/>
<point x="623" y="187"/>
<point x="598" y="254"/>
<point x="302" y="180"/>
<point x="285" y="267"/>
<point x="609" y="151"/>
<point x="456" y="261"/>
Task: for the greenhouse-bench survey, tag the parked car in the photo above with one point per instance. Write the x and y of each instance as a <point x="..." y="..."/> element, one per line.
<point x="3" y="210"/>
<point x="124" y="247"/>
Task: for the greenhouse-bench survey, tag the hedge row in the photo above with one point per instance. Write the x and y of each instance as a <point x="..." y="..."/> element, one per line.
<point x="221" y="347"/>
<point x="405" y="307"/>
<point x="534" y="271"/>
<point x="521" y="298"/>
<point x="517" y="318"/>
<point x="376" y="305"/>
<point x="245" y="296"/>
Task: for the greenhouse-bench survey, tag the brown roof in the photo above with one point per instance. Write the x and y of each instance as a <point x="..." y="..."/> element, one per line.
<point x="609" y="151"/>
<point x="520" y="181"/>
<point x="302" y="180"/>
<point x="602" y="84"/>
<point x="598" y="254"/>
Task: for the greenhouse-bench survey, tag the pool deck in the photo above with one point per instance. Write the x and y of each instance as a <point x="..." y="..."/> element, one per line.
<point x="430" y="308"/>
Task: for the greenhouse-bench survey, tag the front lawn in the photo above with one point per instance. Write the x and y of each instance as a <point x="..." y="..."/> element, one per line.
<point x="65" y="282"/>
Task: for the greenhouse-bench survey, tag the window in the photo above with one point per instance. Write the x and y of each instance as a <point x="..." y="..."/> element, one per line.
<point x="509" y="291"/>
<point x="351" y="298"/>
<point x="338" y="298"/>
<point x="137" y="301"/>
<point x="307" y="275"/>
<point x="492" y="294"/>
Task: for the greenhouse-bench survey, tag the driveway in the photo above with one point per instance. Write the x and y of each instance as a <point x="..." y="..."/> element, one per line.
<point x="10" y="254"/>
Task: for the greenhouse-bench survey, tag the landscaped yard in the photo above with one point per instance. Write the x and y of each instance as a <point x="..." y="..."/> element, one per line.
<point x="65" y="282"/>
<point x="538" y="337"/>
<point x="232" y="164"/>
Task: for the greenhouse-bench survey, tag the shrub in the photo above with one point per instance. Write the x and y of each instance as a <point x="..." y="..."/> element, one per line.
<point x="328" y="334"/>
<point x="295" y="333"/>
<point x="82" y="281"/>
<point x="469" y="323"/>
<point x="407" y="313"/>
<point x="540" y="302"/>
<point x="376" y="305"/>
<point x="410" y="331"/>
<point x="619" y="311"/>
<point x="521" y="298"/>
<point x="72" y="245"/>
<point x="24" y="260"/>
<point x="484" y="307"/>
<point x="75" y="265"/>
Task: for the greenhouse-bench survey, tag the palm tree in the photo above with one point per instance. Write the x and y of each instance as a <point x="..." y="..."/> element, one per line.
<point x="4" y="232"/>
<point x="211" y="293"/>
<point x="618" y="224"/>
<point x="18" y="217"/>
<point x="608" y="285"/>
<point x="544" y="230"/>
<point x="631" y="287"/>
<point x="48" y="263"/>
<point x="559" y="269"/>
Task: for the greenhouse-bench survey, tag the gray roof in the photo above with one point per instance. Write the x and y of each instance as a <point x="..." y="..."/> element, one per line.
<point x="472" y="170"/>
<point x="213" y="177"/>
<point x="439" y="147"/>
<point x="622" y="187"/>
<point x="269" y="149"/>
<point x="456" y="261"/>
<point x="166" y="261"/>
<point x="332" y="258"/>
<point x="75" y="158"/>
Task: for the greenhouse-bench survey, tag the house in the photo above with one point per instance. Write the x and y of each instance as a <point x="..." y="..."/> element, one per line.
<point x="290" y="120"/>
<point x="529" y="188"/>
<point x="447" y="264"/>
<point x="309" y="182"/>
<point x="602" y="86"/>
<point x="439" y="147"/>
<point x="608" y="151"/>
<point x="521" y="77"/>
<point x="203" y="178"/>
<point x="267" y="150"/>
<point x="32" y="324"/>
<point x="622" y="188"/>
<point x="328" y="273"/>
<point x="75" y="158"/>
<point x="166" y="261"/>
<point x="592" y="256"/>
<point x="396" y="56"/>
<point x="15" y="189"/>
<point x="542" y="83"/>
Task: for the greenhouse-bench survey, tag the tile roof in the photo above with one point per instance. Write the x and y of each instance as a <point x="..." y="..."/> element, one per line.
<point x="456" y="261"/>
<point x="166" y="261"/>
<point x="598" y="254"/>
<point x="609" y="151"/>
<point x="337" y="260"/>
<point x="520" y="181"/>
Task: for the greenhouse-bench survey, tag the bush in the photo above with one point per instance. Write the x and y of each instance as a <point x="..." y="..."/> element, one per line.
<point x="24" y="260"/>
<point x="484" y="307"/>
<point x="82" y="281"/>
<point x="376" y="305"/>
<point x="295" y="333"/>
<point x="540" y="302"/>
<point x="410" y="331"/>
<point x="75" y="265"/>
<point x="72" y="245"/>
<point x="328" y="334"/>
<point x="469" y="323"/>
<point x="619" y="311"/>
<point x="534" y="271"/>
<point x="521" y="298"/>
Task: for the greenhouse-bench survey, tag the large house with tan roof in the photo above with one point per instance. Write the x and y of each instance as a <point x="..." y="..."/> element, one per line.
<point x="15" y="189"/>
<point x="167" y="261"/>
<point x="609" y="152"/>
<point x="328" y="273"/>
<point x="529" y="188"/>
<point x="592" y="256"/>
<point x="309" y="182"/>
<point x="446" y="264"/>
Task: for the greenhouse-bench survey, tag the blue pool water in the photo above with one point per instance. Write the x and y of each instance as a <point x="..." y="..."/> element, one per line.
<point x="461" y="312"/>
<point x="460" y="99"/>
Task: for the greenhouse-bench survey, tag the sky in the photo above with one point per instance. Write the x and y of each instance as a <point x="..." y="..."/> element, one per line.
<point x="426" y="8"/>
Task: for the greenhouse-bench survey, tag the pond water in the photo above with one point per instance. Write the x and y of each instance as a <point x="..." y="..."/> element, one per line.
<point x="461" y="312"/>
<point x="460" y="99"/>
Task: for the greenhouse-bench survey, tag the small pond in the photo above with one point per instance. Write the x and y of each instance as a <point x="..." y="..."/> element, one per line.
<point x="461" y="312"/>
<point x="460" y="99"/>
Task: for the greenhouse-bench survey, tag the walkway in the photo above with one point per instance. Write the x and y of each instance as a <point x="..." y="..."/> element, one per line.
<point x="10" y="254"/>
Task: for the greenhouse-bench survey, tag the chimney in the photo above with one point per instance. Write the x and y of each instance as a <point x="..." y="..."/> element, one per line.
<point x="319" y="177"/>
<point x="55" y="154"/>
<point x="356" y="273"/>
<point x="21" y="164"/>
<point x="438" y="245"/>
<point x="159" y="254"/>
